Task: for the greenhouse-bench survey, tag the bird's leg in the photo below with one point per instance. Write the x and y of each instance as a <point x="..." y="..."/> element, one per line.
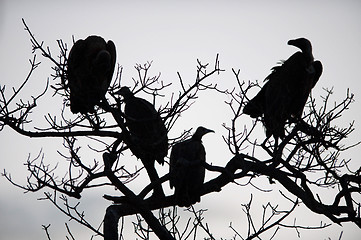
<point x="263" y="144"/>
<point x="275" y="147"/>
<point x="95" y="124"/>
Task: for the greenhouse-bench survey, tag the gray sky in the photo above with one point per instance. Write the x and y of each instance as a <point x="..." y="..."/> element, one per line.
<point x="248" y="35"/>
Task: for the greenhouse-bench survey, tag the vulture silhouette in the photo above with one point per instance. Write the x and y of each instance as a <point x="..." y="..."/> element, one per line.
<point x="186" y="168"/>
<point x="90" y="69"/>
<point x="286" y="90"/>
<point x="149" y="140"/>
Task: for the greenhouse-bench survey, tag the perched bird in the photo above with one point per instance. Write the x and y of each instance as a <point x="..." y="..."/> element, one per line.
<point x="286" y="90"/>
<point x="90" y="69"/>
<point x="149" y="140"/>
<point x="186" y="168"/>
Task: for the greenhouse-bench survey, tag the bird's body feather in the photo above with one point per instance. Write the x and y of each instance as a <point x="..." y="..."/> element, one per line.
<point x="149" y="140"/>
<point x="90" y="69"/>
<point x="285" y="92"/>
<point x="187" y="170"/>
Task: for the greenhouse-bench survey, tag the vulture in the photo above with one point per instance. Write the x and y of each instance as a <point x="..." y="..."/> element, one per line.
<point x="148" y="134"/>
<point x="286" y="90"/>
<point x="90" y="69"/>
<point x="187" y="170"/>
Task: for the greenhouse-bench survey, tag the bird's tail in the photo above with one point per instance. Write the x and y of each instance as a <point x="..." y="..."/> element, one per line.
<point x="186" y="201"/>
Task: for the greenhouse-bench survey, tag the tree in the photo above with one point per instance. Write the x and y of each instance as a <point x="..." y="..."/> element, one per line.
<point x="306" y="160"/>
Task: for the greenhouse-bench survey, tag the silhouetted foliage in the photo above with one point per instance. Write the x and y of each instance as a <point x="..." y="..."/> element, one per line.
<point x="306" y="159"/>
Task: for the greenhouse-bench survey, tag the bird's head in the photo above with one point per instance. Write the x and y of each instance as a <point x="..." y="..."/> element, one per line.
<point x="200" y="132"/>
<point x="302" y="43"/>
<point x="125" y="92"/>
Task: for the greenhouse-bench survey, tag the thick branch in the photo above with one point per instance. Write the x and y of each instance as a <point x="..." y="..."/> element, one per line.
<point x="137" y="203"/>
<point x="240" y="163"/>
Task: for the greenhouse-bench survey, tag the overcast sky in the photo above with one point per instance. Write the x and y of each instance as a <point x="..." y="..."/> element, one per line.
<point x="248" y="35"/>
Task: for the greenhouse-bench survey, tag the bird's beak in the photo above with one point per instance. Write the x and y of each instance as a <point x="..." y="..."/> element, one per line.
<point x="291" y="42"/>
<point x="209" y="131"/>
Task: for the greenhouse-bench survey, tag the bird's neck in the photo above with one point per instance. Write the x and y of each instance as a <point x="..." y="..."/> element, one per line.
<point x="309" y="56"/>
<point x="197" y="138"/>
<point x="309" y="60"/>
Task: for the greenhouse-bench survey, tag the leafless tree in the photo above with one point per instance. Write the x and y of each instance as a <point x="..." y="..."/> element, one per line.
<point x="307" y="159"/>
